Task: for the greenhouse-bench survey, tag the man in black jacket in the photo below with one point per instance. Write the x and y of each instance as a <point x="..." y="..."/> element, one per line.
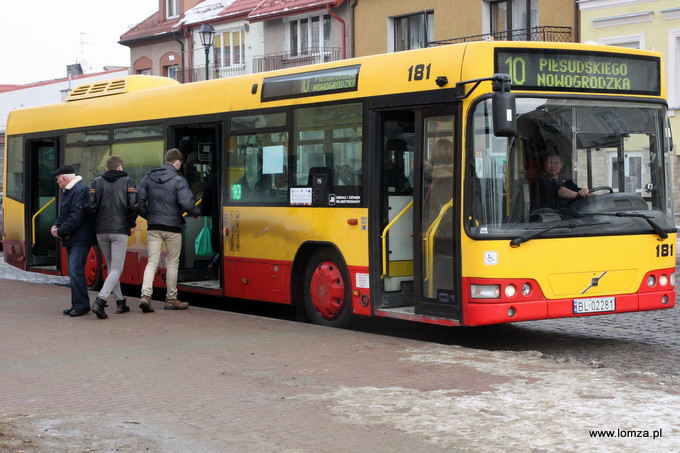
<point x="113" y="202"/>
<point x="164" y="196"/>
<point x="76" y="231"/>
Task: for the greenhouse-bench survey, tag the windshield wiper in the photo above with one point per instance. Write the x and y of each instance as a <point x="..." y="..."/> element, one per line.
<point x="534" y="234"/>
<point x="655" y="226"/>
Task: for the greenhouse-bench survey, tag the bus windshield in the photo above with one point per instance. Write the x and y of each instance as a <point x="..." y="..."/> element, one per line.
<point x="575" y="167"/>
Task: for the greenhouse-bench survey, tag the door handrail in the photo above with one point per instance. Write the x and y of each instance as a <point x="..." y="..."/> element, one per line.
<point x="200" y="200"/>
<point x="428" y="245"/>
<point x="384" y="236"/>
<point x="34" y="217"/>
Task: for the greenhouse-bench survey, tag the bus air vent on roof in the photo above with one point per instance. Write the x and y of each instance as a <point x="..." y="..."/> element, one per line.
<point x="118" y="86"/>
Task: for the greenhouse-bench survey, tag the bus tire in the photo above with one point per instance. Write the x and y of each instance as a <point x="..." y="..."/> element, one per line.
<point x="93" y="269"/>
<point x="327" y="295"/>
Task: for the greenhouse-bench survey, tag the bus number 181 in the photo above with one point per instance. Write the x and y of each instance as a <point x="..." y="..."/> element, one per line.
<point x="419" y="72"/>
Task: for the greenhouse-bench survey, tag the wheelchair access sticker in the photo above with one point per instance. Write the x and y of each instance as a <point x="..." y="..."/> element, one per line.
<point x="490" y="258"/>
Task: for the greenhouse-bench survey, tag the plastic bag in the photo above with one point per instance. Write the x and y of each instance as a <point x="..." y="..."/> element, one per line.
<point x="203" y="244"/>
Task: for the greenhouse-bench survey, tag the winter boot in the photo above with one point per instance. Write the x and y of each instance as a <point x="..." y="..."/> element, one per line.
<point x="175" y="304"/>
<point x="145" y="304"/>
<point x="98" y="308"/>
<point x="121" y="306"/>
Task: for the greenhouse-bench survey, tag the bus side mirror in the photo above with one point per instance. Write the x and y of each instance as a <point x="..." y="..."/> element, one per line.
<point x="504" y="109"/>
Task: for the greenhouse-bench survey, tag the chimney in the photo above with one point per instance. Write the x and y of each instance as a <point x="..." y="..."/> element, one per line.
<point x="74" y="70"/>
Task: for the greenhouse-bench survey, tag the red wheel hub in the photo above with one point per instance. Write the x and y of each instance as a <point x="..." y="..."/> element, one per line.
<point x="91" y="267"/>
<point x="327" y="290"/>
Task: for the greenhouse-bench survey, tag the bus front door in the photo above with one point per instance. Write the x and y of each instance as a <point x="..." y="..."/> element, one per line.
<point x="434" y="219"/>
<point x="42" y="200"/>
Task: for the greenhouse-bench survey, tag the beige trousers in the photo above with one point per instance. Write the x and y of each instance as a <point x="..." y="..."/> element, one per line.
<point x="173" y="245"/>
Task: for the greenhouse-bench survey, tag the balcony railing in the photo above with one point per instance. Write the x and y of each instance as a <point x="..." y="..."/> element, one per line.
<point x="281" y="60"/>
<point x="545" y="33"/>
<point x="197" y="74"/>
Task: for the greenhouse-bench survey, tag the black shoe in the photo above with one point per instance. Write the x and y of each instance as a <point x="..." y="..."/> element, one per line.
<point x="67" y="311"/>
<point x="78" y="312"/>
<point x="98" y="308"/>
<point x="121" y="306"/>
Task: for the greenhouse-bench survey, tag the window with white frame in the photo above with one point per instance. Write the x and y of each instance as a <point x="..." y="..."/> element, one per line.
<point x="636" y="41"/>
<point x="413" y="31"/>
<point x="229" y="48"/>
<point x="309" y="34"/>
<point x="171" y="8"/>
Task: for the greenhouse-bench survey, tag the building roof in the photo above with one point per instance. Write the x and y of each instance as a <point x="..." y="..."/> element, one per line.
<point x="218" y="10"/>
<point x="270" y="9"/>
<point x="152" y="26"/>
<point x="5" y="87"/>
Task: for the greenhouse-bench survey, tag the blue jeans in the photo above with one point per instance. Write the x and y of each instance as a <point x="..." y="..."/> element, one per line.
<point x="77" y="257"/>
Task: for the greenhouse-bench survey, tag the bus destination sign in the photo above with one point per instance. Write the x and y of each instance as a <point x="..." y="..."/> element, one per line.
<point x="571" y="70"/>
<point x="312" y="83"/>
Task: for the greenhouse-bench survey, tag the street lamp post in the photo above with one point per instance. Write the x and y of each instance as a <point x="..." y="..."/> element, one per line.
<point x="207" y="33"/>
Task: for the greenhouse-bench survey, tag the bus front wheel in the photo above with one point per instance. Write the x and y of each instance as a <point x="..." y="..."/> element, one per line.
<point x="327" y="290"/>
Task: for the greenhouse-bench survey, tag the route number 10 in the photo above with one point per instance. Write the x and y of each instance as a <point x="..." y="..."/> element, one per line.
<point x="517" y="68"/>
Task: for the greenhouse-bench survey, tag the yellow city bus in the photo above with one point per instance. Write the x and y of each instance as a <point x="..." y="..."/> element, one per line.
<point x="408" y="185"/>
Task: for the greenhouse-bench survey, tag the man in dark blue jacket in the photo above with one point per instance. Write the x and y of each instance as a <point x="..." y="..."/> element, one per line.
<point x="76" y="231"/>
<point x="163" y="197"/>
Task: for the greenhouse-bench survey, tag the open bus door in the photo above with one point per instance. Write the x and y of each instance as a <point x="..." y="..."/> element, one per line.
<point x="42" y="202"/>
<point x="199" y="145"/>
<point x="418" y="235"/>
<point x="434" y="225"/>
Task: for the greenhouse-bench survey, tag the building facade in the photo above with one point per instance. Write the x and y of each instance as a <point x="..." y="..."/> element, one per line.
<point x="256" y="35"/>
<point x="642" y="24"/>
<point x="393" y="25"/>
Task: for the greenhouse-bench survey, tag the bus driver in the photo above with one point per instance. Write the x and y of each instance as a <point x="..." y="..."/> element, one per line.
<point x="552" y="191"/>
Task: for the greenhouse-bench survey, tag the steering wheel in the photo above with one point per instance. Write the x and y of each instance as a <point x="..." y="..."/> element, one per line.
<point x="598" y="188"/>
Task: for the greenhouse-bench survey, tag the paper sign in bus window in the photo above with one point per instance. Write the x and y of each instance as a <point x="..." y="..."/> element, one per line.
<point x="272" y="160"/>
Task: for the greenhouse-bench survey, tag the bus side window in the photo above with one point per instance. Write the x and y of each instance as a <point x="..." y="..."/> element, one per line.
<point x="257" y="170"/>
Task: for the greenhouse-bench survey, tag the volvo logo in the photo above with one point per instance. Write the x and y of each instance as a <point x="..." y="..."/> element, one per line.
<point x="594" y="282"/>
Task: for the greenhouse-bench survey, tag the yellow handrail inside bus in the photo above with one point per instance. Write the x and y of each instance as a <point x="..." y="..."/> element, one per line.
<point x="36" y="215"/>
<point x="195" y="204"/>
<point x="428" y="246"/>
<point x="384" y="237"/>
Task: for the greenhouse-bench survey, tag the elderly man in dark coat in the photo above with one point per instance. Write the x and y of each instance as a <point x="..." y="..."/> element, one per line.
<point x="75" y="229"/>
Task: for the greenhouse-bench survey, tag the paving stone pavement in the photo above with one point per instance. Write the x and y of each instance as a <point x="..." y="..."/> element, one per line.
<point x="211" y="381"/>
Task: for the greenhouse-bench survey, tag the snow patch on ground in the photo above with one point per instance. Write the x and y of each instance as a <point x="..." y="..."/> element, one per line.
<point x="542" y="407"/>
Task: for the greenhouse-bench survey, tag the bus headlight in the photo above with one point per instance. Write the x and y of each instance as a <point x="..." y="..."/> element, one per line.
<point x="510" y="291"/>
<point x="526" y="289"/>
<point x="485" y="291"/>
<point x="663" y="280"/>
<point x="651" y="281"/>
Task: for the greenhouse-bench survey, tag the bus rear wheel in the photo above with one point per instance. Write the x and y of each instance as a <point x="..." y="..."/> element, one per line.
<point x="327" y="291"/>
